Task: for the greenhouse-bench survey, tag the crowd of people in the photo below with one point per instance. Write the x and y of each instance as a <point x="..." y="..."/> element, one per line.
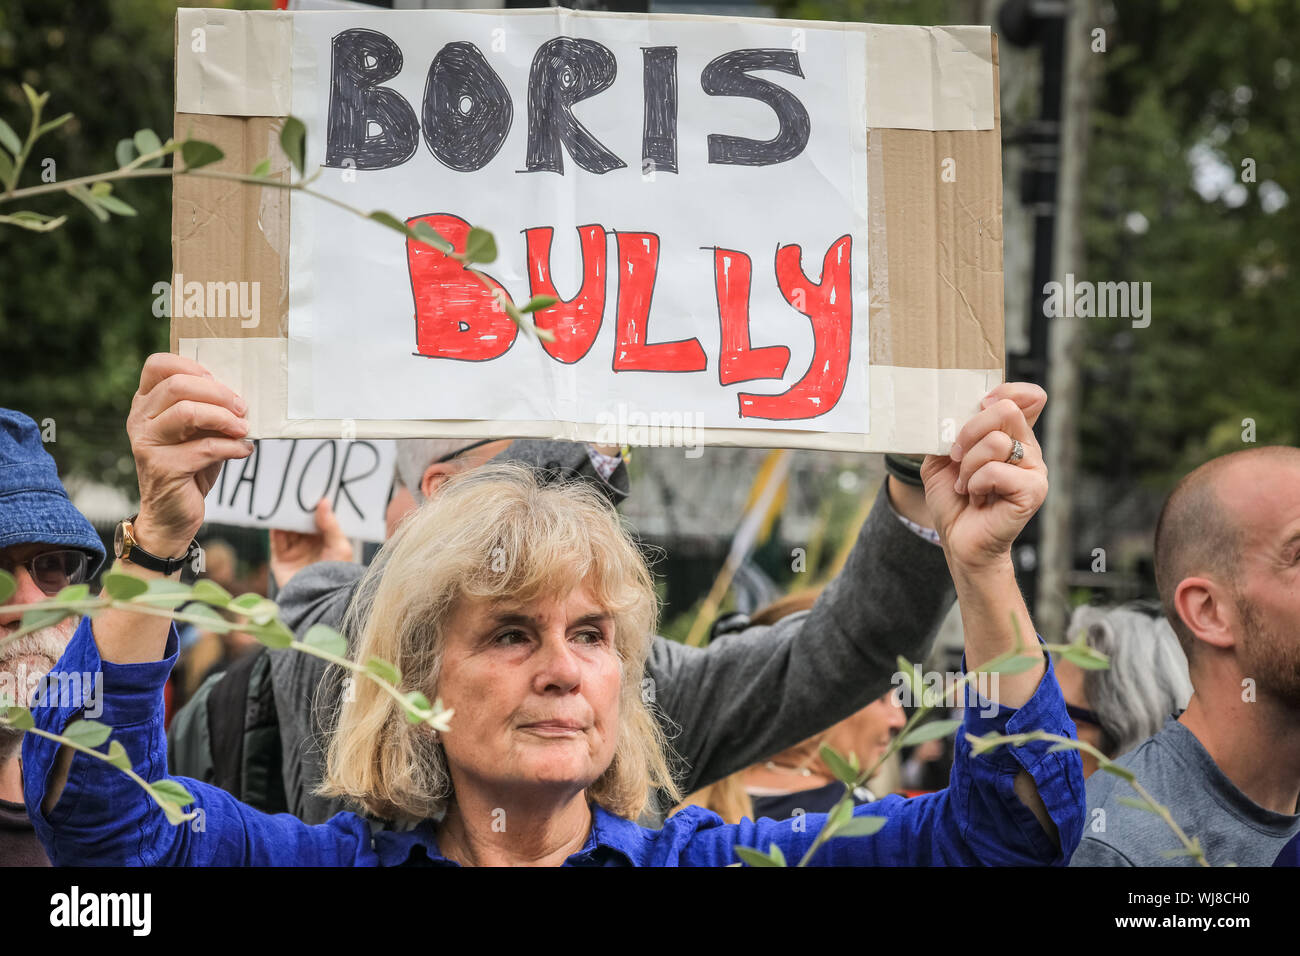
<point x="510" y="589"/>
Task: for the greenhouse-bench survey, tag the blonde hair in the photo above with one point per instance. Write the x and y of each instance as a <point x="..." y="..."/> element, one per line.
<point x="493" y="533"/>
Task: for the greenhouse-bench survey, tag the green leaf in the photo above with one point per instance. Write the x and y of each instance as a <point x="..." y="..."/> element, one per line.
<point x="1138" y="805"/>
<point x="383" y="670"/>
<point x="912" y="673"/>
<point x="262" y="169"/>
<point x="198" y="154"/>
<point x="163" y="593"/>
<point x="842" y="769"/>
<point x="416" y="700"/>
<point x="115" y="205"/>
<point x="1086" y="657"/>
<point x="35" y="100"/>
<point x="756" y="857"/>
<point x="175" y="816"/>
<point x="860" y="827"/>
<point x="8" y="586"/>
<point x="272" y="633"/>
<point x="538" y="302"/>
<point x="1013" y="665"/>
<point x="146" y="141"/>
<point x="263" y="612"/>
<point x="210" y="592"/>
<point x="426" y="233"/>
<point x="19" y="718"/>
<point x="123" y="587"/>
<point x="9" y="139"/>
<point x="87" y="733"/>
<point x="775" y="853"/>
<point x="125" y="153"/>
<point x="34" y="221"/>
<point x="6" y="167"/>
<point x="1185" y="851"/>
<point x="932" y="730"/>
<point x="52" y="124"/>
<point x="840" y="814"/>
<point x="117" y="755"/>
<point x="479" y="247"/>
<point x="1118" y="771"/>
<point x="210" y="618"/>
<point x="327" y="639"/>
<point x="74" y="592"/>
<point x="246" y="602"/>
<point x="293" y="140"/>
<point x="172" y="792"/>
<point x="392" y="222"/>
<point x="38" y="618"/>
<point x="1058" y="747"/>
<point x="90" y="201"/>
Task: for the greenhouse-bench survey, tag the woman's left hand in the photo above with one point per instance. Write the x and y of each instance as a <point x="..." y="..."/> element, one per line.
<point x="978" y="499"/>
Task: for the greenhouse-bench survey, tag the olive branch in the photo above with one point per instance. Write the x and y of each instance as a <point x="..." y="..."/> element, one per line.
<point x="199" y="604"/>
<point x="840" y="821"/>
<point x="141" y="157"/>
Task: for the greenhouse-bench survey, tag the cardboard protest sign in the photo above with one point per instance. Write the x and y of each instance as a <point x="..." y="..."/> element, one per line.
<point x="772" y="232"/>
<point x="279" y="484"/>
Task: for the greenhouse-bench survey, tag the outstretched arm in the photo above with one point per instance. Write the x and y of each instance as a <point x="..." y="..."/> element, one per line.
<point x="752" y="694"/>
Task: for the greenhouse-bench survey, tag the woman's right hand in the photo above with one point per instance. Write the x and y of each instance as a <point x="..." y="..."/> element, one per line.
<point x="184" y="425"/>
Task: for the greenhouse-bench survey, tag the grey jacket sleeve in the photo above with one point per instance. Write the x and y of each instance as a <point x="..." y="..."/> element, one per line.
<point x="749" y="695"/>
<point x="306" y="688"/>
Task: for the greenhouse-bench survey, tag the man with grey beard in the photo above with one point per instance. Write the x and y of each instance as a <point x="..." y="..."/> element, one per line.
<point x="46" y="544"/>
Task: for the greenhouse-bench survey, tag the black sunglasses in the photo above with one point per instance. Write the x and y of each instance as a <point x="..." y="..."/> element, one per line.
<point x="52" y="570"/>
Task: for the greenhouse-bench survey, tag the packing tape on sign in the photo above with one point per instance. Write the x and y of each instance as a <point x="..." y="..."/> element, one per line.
<point x="240" y="63"/>
<point x="904" y="402"/>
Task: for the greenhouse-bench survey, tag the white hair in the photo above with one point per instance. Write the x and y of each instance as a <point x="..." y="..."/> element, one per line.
<point x="1147" y="680"/>
<point x="415" y="455"/>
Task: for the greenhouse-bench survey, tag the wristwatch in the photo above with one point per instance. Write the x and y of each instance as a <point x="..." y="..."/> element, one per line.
<point x="906" y="468"/>
<point x="126" y="548"/>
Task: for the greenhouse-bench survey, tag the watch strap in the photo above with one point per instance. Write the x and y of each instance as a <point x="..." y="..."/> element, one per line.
<point x="151" y="562"/>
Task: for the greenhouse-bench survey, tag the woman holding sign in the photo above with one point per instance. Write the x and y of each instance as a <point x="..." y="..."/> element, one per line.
<point x="530" y="619"/>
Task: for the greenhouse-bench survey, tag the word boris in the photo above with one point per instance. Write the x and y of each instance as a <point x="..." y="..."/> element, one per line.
<point x="467" y="111"/>
<point x="458" y="317"/>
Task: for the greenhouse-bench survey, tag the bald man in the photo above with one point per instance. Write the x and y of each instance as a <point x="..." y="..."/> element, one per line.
<point x="1227" y="557"/>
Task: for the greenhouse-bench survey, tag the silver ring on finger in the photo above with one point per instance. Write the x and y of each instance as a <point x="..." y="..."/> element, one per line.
<point x="1017" y="452"/>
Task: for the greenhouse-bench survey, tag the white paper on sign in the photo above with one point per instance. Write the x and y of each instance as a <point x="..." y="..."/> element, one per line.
<point x="693" y="190"/>
<point x="279" y="484"/>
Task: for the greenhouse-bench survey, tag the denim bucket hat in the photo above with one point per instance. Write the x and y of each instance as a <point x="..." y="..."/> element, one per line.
<point x="34" y="507"/>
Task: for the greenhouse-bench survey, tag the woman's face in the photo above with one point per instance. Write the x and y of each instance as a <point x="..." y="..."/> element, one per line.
<point x="536" y="694"/>
<point x="868" y="732"/>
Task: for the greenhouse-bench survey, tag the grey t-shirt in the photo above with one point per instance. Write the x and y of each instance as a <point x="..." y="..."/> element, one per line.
<point x="1179" y="773"/>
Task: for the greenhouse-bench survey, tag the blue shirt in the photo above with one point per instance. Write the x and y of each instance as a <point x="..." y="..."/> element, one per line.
<point x="104" y="818"/>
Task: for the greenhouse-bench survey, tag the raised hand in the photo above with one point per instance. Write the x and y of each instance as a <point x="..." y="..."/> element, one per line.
<point x="183" y="426"/>
<point x="978" y="498"/>
<point x="291" y="551"/>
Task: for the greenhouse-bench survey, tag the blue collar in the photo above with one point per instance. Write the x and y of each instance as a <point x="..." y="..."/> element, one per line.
<point x="612" y="841"/>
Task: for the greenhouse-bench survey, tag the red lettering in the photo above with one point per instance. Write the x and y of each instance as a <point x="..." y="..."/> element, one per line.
<point x="638" y="259"/>
<point x="738" y="362"/>
<point x="574" y="322"/>
<point x="829" y="306"/>
<point x="456" y="315"/>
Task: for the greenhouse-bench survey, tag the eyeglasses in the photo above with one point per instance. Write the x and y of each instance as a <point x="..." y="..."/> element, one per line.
<point x="52" y="570"/>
